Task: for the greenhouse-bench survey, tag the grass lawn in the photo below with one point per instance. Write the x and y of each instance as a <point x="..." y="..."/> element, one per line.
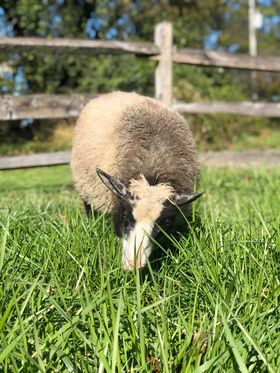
<point x="211" y="304"/>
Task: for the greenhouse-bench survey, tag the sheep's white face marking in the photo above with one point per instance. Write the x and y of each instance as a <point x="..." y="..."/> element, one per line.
<point x="146" y="209"/>
<point x="137" y="246"/>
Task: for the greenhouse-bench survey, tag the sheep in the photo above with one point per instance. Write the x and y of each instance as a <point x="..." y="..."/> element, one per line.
<point x="134" y="158"/>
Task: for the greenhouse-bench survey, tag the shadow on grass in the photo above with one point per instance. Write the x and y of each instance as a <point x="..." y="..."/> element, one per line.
<point x="166" y="243"/>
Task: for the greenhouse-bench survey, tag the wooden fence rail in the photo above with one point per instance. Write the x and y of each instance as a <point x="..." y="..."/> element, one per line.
<point x="34" y="160"/>
<point x="162" y="50"/>
<point x="42" y="106"/>
<point x="67" y="106"/>
<point x="184" y="56"/>
<point x="227" y="60"/>
<point x="76" y="46"/>
<point x="263" y="109"/>
<point x="254" y="158"/>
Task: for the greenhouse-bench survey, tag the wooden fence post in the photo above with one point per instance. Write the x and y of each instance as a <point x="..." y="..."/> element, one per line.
<point x="163" y="73"/>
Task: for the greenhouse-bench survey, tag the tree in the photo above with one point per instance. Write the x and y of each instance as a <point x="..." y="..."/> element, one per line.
<point x="218" y="24"/>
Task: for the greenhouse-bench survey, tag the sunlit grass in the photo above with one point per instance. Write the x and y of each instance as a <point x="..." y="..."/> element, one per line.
<point x="210" y="304"/>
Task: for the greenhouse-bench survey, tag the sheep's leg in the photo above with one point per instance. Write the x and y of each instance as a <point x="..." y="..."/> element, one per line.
<point x="88" y="210"/>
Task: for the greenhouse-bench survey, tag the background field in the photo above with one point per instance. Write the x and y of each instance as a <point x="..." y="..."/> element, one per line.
<point x="210" y="304"/>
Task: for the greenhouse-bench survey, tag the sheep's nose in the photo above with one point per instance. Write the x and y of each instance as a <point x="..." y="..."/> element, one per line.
<point x="130" y="264"/>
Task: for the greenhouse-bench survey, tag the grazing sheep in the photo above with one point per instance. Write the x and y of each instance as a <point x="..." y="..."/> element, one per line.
<point x="136" y="159"/>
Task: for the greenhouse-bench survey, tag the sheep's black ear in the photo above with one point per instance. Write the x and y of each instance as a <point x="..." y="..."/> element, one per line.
<point x="113" y="183"/>
<point x="183" y="199"/>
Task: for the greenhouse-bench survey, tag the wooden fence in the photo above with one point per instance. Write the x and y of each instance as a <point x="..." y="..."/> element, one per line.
<point x="162" y="50"/>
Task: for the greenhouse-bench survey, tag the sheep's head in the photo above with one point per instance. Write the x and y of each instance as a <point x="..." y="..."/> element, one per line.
<point x="142" y="208"/>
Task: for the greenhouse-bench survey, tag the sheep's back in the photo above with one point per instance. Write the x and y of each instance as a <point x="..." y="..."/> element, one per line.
<point x="157" y="142"/>
<point x="126" y="134"/>
<point x="95" y="143"/>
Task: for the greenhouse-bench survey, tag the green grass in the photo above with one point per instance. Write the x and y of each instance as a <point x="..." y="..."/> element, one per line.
<point x="210" y="305"/>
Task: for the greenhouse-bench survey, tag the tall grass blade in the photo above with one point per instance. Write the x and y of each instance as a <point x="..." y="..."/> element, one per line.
<point x="233" y="344"/>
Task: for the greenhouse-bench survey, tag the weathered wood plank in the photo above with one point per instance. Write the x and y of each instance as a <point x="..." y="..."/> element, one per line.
<point x="66" y="106"/>
<point x="222" y="59"/>
<point x="34" y="160"/>
<point x="163" y="72"/>
<point x="76" y="46"/>
<point x="263" y="109"/>
<point x="42" y="106"/>
<point x="93" y="47"/>
<point x="213" y="159"/>
<point x="246" y="159"/>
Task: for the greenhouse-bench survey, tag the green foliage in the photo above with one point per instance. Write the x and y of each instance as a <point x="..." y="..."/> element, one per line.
<point x="208" y="83"/>
<point x="228" y="131"/>
<point x="40" y="136"/>
<point x="192" y="21"/>
<point x="220" y="131"/>
<point x="210" y="304"/>
<point x="98" y="74"/>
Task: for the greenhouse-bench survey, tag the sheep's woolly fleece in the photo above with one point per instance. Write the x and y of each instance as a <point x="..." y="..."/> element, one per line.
<point x="141" y="189"/>
<point x="126" y="134"/>
<point x="149" y="199"/>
